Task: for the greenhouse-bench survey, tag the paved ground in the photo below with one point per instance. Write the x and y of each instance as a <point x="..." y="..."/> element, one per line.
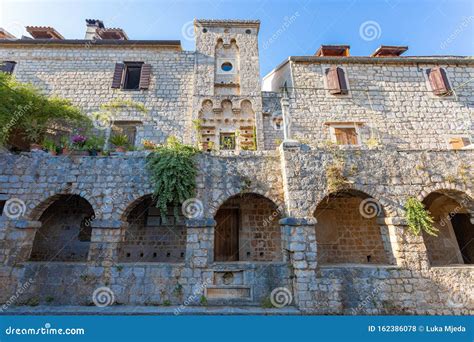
<point x="146" y="310"/>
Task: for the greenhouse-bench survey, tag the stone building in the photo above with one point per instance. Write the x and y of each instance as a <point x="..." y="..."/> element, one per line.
<point x="272" y="213"/>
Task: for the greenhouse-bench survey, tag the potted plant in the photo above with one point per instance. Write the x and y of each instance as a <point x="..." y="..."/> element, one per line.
<point x="50" y="146"/>
<point x="78" y="142"/>
<point x="34" y="133"/>
<point x="65" y="145"/>
<point x="149" y="145"/>
<point x="120" y="141"/>
<point x="94" y="145"/>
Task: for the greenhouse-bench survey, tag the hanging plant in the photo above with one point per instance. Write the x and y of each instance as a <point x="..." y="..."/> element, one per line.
<point x="173" y="173"/>
<point x="418" y="218"/>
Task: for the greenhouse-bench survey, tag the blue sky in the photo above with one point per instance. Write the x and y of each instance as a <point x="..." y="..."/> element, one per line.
<point x="295" y="27"/>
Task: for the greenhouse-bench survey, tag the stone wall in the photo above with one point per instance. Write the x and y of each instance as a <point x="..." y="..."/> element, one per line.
<point x="405" y="283"/>
<point x="344" y="235"/>
<point x="392" y="102"/>
<point x="83" y="74"/>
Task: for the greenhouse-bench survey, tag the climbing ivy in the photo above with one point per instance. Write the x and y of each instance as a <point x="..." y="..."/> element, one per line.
<point x="173" y="173"/>
<point x="418" y="218"/>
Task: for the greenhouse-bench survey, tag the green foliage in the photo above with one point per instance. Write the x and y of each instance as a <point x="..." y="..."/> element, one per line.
<point x="267" y="303"/>
<point x="173" y="173"/>
<point x="23" y="108"/>
<point x="94" y="143"/>
<point x="203" y="300"/>
<point x="166" y="302"/>
<point x="418" y="218"/>
<point x="118" y="104"/>
<point x="49" y="145"/>
<point x="336" y="181"/>
<point x="119" y="140"/>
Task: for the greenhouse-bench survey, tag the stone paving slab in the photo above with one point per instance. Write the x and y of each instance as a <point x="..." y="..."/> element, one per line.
<point x="148" y="310"/>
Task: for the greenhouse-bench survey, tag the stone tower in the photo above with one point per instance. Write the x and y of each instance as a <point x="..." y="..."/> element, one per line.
<point x="227" y="102"/>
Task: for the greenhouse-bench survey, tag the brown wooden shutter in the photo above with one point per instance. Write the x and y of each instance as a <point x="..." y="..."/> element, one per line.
<point x="145" y="76"/>
<point x="342" y="81"/>
<point x="118" y="73"/>
<point x="345" y="136"/>
<point x="332" y="80"/>
<point x="439" y="81"/>
<point x="336" y="81"/>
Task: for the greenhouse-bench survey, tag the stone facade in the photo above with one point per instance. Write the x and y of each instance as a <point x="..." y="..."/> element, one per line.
<point x="350" y="261"/>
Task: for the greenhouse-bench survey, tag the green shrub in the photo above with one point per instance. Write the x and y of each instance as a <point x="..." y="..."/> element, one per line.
<point x="24" y="109"/>
<point x="173" y="173"/>
<point x="418" y="218"/>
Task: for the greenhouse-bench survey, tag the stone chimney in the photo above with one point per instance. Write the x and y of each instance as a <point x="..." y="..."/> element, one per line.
<point x="92" y="26"/>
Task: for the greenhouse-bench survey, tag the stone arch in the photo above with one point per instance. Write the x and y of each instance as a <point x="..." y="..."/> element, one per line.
<point x="390" y="207"/>
<point x="36" y="208"/>
<point x="218" y="202"/>
<point x="149" y="237"/>
<point x="248" y="229"/>
<point x="452" y="212"/>
<point x="454" y="190"/>
<point x="348" y="230"/>
<point x="124" y="209"/>
<point x="65" y="232"/>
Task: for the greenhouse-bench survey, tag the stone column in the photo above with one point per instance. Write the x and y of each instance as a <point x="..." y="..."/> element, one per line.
<point x="407" y="250"/>
<point x="200" y="242"/>
<point x="299" y="242"/>
<point x="16" y="240"/>
<point x="105" y="239"/>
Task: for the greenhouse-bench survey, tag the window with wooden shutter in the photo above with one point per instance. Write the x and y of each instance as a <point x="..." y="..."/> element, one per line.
<point x="439" y="81"/>
<point x="346" y="136"/>
<point x="336" y="81"/>
<point x="118" y="75"/>
<point x="145" y="76"/>
<point x="7" y="67"/>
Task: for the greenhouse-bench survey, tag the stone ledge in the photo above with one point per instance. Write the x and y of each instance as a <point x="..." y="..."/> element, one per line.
<point x="298" y="221"/>
<point x="109" y="224"/>
<point x="25" y="224"/>
<point x="201" y="223"/>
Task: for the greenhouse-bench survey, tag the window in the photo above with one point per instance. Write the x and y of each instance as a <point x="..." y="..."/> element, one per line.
<point x="129" y="128"/>
<point x="227" y="66"/>
<point x="131" y="76"/>
<point x="7" y="66"/>
<point x="345" y="134"/>
<point x="439" y="81"/>
<point x="227" y="141"/>
<point x="457" y="143"/>
<point x="336" y="81"/>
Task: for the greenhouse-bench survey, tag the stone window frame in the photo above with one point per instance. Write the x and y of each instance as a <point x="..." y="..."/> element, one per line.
<point x="324" y="67"/>
<point x="354" y="125"/>
<point x="221" y="61"/>
<point x="431" y="94"/>
<point x="461" y="136"/>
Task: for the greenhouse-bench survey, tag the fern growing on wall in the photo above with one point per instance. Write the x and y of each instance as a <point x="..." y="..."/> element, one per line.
<point x="418" y="218"/>
<point x="173" y="173"/>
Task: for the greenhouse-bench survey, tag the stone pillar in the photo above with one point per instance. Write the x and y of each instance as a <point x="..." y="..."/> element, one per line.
<point x="200" y="242"/>
<point x="105" y="239"/>
<point x="16" y="238"/>
<point x="407" y="250"/>
<point x="299" y="242"/>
